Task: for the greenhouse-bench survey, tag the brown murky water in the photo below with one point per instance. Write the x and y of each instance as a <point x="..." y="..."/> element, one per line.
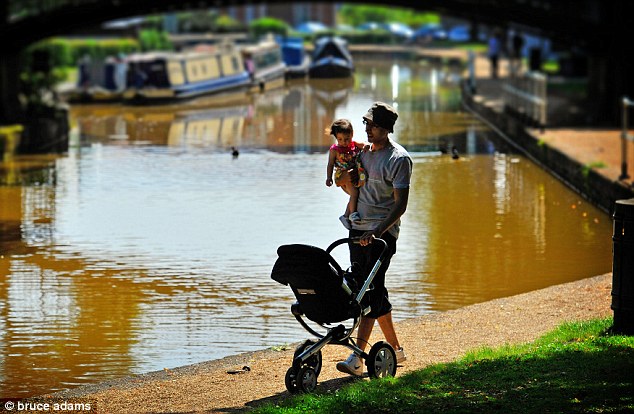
<point x="148" y="246"/>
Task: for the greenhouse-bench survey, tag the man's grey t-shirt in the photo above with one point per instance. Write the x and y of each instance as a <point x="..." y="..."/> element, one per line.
<point x="386" y="170"/>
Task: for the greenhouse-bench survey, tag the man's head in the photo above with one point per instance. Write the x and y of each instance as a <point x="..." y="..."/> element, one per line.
<point x="382" y="115"/>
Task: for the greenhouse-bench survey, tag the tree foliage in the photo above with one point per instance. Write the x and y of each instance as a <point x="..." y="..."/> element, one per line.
<point x="154" y="40"/>
<point x="265" y="25"/>
<point x="355" y="15"/>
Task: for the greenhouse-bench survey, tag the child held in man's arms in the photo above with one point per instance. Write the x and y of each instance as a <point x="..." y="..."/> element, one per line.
<point x="343" y="158"/>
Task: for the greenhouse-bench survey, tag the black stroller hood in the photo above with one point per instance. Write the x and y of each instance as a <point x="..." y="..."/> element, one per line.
<point x="317" y="282"/>
<point x="303" y="264"/>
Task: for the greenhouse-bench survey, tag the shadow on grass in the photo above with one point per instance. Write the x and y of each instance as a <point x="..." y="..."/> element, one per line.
<point x="566" y="381"/>
<point x="569" y="372"/>
<point x="324" y="387"/>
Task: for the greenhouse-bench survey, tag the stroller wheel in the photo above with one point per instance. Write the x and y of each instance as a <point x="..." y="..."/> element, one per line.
<point x="291" y="381"/>
<point x="314" y="361"/>
<point x="306" y="379"/>
<point x="381" y="360"/>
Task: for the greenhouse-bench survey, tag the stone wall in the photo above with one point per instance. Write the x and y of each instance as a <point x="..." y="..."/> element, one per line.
<point x="594" y="187"/>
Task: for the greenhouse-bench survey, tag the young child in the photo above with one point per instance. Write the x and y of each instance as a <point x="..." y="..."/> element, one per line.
<point x="343" y="158"/>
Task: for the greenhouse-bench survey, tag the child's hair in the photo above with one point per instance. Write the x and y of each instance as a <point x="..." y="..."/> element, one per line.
<point x="341" y="125"/>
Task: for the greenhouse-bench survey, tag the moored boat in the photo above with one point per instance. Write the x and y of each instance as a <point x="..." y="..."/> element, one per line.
<point x="295" y="57"/>
<point x="331" y="59"/>
<point x="265" y="65"/>
<point x="99" y="80"/>
<point x="167" y="76"/>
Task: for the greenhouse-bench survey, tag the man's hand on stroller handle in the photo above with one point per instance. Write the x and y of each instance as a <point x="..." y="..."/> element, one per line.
<point x="365" y="239"/>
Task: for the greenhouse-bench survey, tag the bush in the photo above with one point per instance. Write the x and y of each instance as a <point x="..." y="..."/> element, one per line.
<point x="227" y="24"/>
<point x="59" y="51"/>
<point x="154" y="40"/>
<point x="67" y="52"/>
<point x="381" y="37"/>
<point x="101" y="49"/>
<point x="265" y="25"/>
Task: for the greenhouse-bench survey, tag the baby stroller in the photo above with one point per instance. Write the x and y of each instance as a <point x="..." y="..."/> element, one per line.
<point x="327" y="296"/>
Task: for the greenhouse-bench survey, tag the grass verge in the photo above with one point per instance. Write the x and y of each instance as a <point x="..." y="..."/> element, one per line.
<point x="578" y="368"/>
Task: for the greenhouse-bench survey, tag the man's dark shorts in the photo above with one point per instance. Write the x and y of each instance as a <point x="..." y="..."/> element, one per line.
<point x="366" y="257"/>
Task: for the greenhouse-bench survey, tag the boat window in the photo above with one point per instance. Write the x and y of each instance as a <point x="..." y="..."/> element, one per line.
<point x="237" y="64"/>
<point x="175" y="73"/>
<point x="212" y="67"/>
<point x="226" y="64"/>
<point x="269" y="58"/>
<point x="192" y="69"/>
<point x="156" y="72"/>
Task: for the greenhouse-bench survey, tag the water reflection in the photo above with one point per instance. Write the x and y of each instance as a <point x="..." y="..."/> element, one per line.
<point x="293" y="119"/>
<point x="149" y="246"/>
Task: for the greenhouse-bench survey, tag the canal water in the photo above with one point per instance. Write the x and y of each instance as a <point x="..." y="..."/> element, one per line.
<point x="149" y="246"/>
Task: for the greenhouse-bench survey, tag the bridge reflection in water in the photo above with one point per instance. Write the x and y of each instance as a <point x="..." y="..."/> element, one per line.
<point x="149" y="246"/>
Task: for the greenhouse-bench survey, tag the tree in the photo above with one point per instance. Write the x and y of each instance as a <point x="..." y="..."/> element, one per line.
<point x="265" y="25"/>
<point x="358" y="14"/>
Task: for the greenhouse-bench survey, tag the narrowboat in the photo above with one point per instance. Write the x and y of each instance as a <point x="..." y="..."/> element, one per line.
<point x="99" y="80"/>
<point x="265" y="65"/>
<point x="166" y="76"/>
<point x="331" y="59"/>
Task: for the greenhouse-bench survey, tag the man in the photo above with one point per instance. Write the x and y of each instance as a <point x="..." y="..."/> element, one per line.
<point x="382" y="202"/>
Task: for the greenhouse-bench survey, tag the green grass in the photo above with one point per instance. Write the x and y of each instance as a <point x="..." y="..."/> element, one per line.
<point x="585" y="170"/>
<point x="577" y="368"/>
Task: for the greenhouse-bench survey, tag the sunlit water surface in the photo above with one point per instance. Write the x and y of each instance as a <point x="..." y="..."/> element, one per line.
<point x="149" y="246"/>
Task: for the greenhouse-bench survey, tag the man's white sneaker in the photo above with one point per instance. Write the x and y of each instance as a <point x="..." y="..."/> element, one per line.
<point x="352" y="366"/>
<point x="400" y="355"/>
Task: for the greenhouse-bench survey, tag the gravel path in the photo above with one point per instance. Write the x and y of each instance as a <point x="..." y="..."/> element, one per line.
<point x="441" y="337"/>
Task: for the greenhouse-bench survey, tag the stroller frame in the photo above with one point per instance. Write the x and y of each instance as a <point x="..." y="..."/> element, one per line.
<point x="307" y="359"/>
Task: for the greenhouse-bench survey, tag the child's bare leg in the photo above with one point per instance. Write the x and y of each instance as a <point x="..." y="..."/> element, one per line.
<point x="354" y="197"/>
<point x="349" y="189"/>
<point x="346" y="185"/>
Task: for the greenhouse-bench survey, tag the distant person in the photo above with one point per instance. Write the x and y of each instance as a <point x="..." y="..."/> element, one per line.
<point x="120" y="72"/>
<point x="84" y="72"/>
<point x="494" y="51"/>
<point x="249" y="65"/>
<point x="343" y="161"/>
<point x="517" y="43"/>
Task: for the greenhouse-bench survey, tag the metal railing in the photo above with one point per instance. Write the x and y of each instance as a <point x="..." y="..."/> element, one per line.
<point x="626" y="104"/>
<point x="526" y="96"/>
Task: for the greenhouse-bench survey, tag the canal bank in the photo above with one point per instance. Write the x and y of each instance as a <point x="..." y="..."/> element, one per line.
<point x="222" y="386"/>
<point x="588" y="160"/>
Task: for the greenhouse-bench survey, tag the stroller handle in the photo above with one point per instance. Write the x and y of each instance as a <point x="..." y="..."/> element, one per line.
<point x="375" y="268"/>
<point x="356" y="240"/>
